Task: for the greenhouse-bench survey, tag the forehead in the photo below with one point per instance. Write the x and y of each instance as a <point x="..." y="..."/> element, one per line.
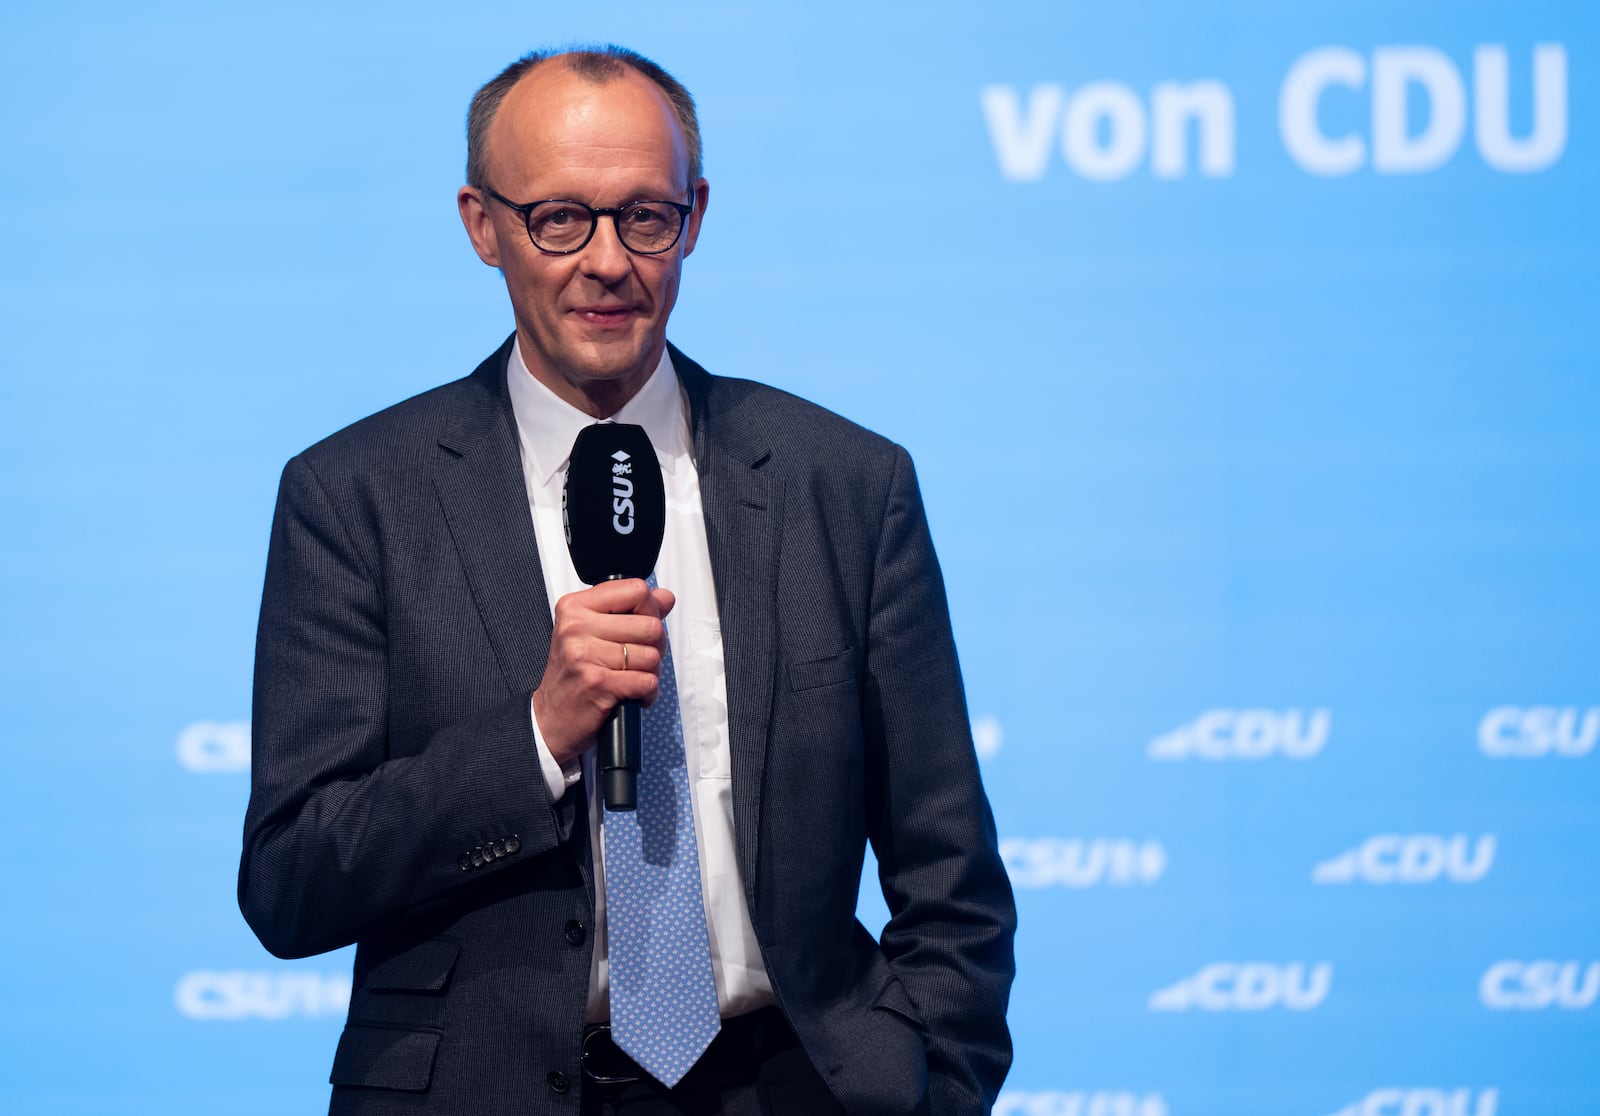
<point x="559" y="132"/>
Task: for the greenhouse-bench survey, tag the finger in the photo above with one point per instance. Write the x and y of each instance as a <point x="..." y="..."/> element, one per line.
<point x="625" y="628"/>
<point x="635" y="656"/>
<point x="663" y="599"/>
<point x="618" y="658"/>
<point x="632" y="685"/>
<point x="627" y="595"/>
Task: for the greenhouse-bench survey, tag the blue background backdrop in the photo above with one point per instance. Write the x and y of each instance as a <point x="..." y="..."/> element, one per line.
<point x="1261" y="440"/>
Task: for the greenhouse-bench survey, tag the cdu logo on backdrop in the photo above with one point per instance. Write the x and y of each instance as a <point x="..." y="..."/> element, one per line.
<point x="1390" y="858"/>
<point x="1425" y="1102"/>
<point x="1248" y="986"/>
<point x="1246" y="734"/>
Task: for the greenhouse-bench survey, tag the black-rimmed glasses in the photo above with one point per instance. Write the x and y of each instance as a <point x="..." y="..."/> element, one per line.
<point x="560" y="226"/>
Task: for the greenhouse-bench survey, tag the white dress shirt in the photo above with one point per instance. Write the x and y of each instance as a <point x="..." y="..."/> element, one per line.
<point x="546" y="428"/>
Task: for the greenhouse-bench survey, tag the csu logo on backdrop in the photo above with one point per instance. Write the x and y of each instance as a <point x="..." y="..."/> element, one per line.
<point x="1104" y="1103"/>
<point x="1052" y="862"/>
<point x="1246" y="734"/>
<point x="1421" y="858"/>
<point x="1526" y="732"/>
<point x="215" y="747"/>
<point x="1248" y="986"/>
<point x="208" y="995"/>
<point x="1538" y="985"/>
<point x="1425" y="1102"/>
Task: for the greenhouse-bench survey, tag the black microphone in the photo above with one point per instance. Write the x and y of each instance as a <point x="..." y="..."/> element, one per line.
<point x="614" y="506"/>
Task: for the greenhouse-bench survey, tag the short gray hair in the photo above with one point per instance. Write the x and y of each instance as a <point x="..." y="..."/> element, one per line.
<point x="598" y="64"/>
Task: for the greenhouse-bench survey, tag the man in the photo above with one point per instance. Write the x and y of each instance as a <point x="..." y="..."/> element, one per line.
<point x="424" y="720"/>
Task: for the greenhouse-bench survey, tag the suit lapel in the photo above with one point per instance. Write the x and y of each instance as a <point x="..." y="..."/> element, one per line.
<point x="743" y="511"/>
<point x="485" y="501"/>
<point x="484" y="497"/>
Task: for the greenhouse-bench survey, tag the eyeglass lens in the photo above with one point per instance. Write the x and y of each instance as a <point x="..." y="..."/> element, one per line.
<point x="563" y="226"/>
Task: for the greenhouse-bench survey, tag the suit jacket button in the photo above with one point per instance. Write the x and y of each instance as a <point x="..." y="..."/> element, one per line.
<point x="500" y="847"/>
<point x="465" y="861"/>
<point x="558" y="1082"/>
<point x="477" y="856"/>
<point x="513" y="843"/>
<point x="575" y="933"/>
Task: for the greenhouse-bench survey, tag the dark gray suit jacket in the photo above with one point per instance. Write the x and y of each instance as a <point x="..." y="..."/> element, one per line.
<point x="397" y="801"/>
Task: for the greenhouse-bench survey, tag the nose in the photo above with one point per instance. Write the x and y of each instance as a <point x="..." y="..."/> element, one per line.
<point x="604" y="258"/>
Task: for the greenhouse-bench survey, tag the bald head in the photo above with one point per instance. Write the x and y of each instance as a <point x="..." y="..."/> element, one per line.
<point x="600" y="157"/>
<point x="598" y="65"/>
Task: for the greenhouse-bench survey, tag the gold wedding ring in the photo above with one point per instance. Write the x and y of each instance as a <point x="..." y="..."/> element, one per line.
<point x="624" y="656"/>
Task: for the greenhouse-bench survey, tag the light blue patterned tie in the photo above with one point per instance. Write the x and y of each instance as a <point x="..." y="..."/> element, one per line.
<point x="663" y="999"/>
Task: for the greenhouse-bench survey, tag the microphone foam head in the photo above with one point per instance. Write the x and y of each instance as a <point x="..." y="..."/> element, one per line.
<point x="614" y="503"/>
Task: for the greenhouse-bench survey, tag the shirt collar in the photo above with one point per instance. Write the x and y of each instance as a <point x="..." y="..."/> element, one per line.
<point x="547" y="425"/>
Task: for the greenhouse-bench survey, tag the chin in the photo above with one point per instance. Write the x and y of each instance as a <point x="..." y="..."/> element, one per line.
<point x="619" y="361"/>
<point x="610" y="369"/>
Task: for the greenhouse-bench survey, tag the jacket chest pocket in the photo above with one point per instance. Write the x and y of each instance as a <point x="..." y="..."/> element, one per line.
<point x="827" y="670"/>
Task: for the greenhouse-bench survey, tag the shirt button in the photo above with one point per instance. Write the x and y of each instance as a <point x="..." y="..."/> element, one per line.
<point x="465" y="861"/>
<point x="574" y="932"/>
<point x="513" y="843"/>
<point x="558" y="1082"/>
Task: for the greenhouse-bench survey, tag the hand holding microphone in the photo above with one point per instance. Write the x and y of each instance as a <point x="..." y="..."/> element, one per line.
<point x="587" y="673"/>
<point x="608" y="641"/>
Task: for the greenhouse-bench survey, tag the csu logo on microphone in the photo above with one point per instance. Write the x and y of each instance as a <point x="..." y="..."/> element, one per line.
<point x="1246" y="734"/>
<point x="1425" y="1102"/>
<point x="1248" y="986"/>
<point x="1537" y="985"/>
<point x="1390" y="858"/>
<point x="622" y="493"/>
<point x="1539" y="730"/>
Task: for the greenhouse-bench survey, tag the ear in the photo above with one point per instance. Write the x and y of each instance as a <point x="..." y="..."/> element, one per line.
<point x="702" y="197"/>
<point x="480" y="228"/>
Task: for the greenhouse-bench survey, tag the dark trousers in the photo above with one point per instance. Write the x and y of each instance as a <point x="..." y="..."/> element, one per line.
<point x="754" y="1067"/>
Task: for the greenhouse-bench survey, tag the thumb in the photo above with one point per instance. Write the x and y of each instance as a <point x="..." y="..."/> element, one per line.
<point x="664" y="599"/>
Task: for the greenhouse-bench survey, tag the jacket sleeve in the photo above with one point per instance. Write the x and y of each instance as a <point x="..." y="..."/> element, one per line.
<point x="949" y="937"/>
<point x="340" y="834"/>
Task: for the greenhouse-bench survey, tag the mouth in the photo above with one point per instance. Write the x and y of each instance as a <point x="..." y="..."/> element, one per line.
<point x="605" y="317"/>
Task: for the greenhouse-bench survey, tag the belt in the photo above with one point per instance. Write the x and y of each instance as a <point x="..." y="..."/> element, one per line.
<point x="743" y="1043"/>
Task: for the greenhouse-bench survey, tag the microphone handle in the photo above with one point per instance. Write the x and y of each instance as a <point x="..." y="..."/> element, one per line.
<point x="617" y="756"/>
<point x="617" y="752"/>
